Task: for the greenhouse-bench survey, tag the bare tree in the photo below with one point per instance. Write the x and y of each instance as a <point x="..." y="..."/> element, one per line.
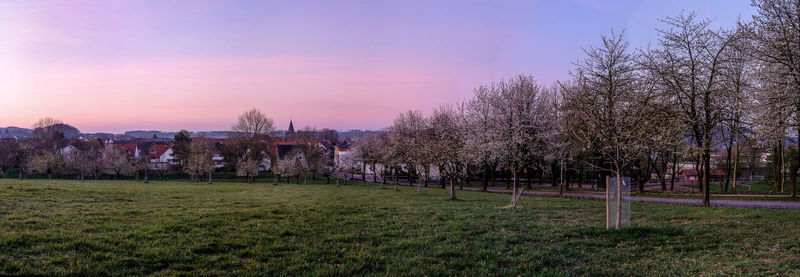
<point x="608" y="109"/>
<point x="689" y="65"/>
<point x="254" y="123"/>
<point x="738" y="79"/>
<point x="250" y="136"/>
<point x="775" y="32"/>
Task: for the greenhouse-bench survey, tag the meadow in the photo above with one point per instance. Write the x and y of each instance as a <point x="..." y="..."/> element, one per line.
<point x="64" y="227"/>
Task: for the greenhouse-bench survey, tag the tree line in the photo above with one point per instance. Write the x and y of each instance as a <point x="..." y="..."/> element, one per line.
<point x="623" y="111"/>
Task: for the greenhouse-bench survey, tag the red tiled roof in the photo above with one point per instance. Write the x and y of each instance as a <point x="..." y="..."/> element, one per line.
<point x="129" y="148"/>
<point x="692" y="172"/>
<point x="159" y="149"/>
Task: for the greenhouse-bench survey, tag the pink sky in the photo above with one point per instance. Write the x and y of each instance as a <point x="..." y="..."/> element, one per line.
<point x="112" y="66"/>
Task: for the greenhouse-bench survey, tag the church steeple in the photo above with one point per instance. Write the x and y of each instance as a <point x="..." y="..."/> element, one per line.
<point x="290" y="133"/>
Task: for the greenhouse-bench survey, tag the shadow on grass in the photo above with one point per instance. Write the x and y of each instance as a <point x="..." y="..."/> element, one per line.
<point x="651" y="235"/>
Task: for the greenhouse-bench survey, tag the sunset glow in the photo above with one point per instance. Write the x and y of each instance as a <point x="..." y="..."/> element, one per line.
<point x="111" y="66"/>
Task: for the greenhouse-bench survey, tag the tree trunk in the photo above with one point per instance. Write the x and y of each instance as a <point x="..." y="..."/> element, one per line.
<point x="706" y="176"/>
<point x="728" y="156"/>
<point x="493" y="179"/>
<point x="514" y="191"/>
<point x="146" y="177"/>
<point x="783" y="167"/>
<point x="528" y="179"/>
<point x="674" y="171"/>
<point x="618" y="223"/>
<point x="608" y="207"/>
<point x="664" y="163"/>
<point x="209" y="177"/>
<point x="394" y="176"/>
<point x="452" y="189"/>
<point x="511" y="176"/>
<point x="484" y="180"/>
<point x="794" y="180"/>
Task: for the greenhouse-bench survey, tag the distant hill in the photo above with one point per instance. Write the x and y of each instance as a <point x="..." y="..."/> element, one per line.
<point x="160" y="134"/>
<point x="14" y="132"/>
<point x="67" y="130"/>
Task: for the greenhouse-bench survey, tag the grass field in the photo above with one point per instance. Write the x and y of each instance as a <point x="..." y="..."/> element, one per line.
<point x="166" y="228"/>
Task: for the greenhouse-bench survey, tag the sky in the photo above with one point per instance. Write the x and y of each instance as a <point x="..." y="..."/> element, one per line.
<point x="111" y="66"/>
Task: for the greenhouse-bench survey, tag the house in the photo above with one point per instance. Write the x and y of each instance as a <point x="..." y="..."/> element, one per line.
<point x="130" y="149"/>
<point x="283" y="147"/>
<point x="342" y="151"/>
<point x="161" y="156"/>
<point x="689" y="175"/>
<point x="68" y="150"/>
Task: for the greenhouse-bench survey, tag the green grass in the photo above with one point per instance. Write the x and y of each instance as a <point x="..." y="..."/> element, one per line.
<point x="763" y="187"/>
<point x="171" y="228"/>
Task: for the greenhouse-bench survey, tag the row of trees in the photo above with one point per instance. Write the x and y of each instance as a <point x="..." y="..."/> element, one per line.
<point x="245" y="153"/>
<point x="49" y="152"/>
<point x="623" y="111"/>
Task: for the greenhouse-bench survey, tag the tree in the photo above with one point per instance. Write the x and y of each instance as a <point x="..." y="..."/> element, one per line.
<point x="142" y="165"/>
<point x="738" y="80"/>
<point x="47" y="163"/>
<point x="249" y="169"/>
<point x="480" y="140"/>
<point x="689" y="65"/>
<point x="518" y="122"/>
<point x="115" y="162"/>
<point x="388" y="156"/>
<point x="315" y="154"/>
<point x="447" y="141"/>
<point x="367" y="148"/>
<point x="77" y="162"/>
<point x="407" y="136"/>
<point x="254" y="123"/>
<point x="9" y="150"/>
<point x="249" y="137"/>
<point x="201" y="161"/>
<point x="182" y="147"/>
<point x="607" y="109"/>
<point x="45" y="135"/>
<point x="775" y="33"/>
<point x="95" y="163"/>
